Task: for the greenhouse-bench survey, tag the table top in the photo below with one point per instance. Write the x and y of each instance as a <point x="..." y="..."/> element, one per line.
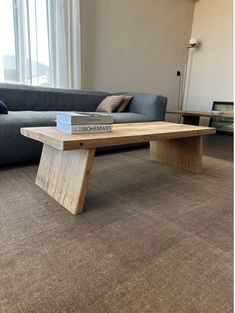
<point x="203" y="114"/>
<point x="122" y="134"/>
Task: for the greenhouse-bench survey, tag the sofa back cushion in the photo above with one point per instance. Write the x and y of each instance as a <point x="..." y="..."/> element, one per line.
<point x="28" y="98"/>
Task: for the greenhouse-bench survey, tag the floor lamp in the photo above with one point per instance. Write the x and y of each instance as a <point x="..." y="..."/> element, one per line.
<point x="193" y="44"/>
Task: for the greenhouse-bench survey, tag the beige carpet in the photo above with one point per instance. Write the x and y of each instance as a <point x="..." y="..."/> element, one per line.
<point x="152" y="239"/>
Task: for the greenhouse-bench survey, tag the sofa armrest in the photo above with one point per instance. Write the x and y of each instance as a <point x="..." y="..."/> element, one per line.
<point x="153" y="106"/>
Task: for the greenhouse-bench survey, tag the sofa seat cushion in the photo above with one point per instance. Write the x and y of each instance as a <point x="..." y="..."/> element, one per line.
<point x="18" y="119"/>
<point x="28" y="118"/>
<point x="126" y="117"/>
<point x="14" y="147"/>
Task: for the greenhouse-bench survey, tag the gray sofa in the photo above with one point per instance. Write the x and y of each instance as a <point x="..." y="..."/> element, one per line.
<point x="36" y="106"/>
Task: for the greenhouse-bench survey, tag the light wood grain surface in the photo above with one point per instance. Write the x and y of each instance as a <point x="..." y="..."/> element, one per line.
<point x="202" y="114"/>
<point x="184" y="153"/>
<point x="121" y="134"/>
<point x="64" y="176"/>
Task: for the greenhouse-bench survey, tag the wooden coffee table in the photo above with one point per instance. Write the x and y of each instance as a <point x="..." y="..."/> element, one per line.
<point x="193" y="117"/>
<point x="66" y="160"/>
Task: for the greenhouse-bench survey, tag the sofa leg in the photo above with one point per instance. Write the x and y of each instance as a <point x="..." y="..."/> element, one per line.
<point x="64" y="175"/>
<point x="185" y="153"/>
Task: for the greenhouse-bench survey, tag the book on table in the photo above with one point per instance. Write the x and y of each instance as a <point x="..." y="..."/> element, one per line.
<point x="84" y="118"/>
<point x="83" y="122"/>
<point x="82" y="129"/>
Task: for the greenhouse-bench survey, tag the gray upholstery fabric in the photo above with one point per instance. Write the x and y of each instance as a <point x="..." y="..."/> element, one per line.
<point x="153" y="106"/>
<point x="20" y="98"/>
<point x="27" y="119"/>
<point x="129" y="117"/>
<point x="35" y="106"/>
<point x="16" y="148"/>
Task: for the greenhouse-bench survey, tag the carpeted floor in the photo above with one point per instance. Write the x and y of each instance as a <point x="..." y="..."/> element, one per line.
<point x="152" y="239"/>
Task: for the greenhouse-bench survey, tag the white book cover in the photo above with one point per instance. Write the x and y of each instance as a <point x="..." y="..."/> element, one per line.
<point x="83" y="118"/>
<point x="82" y="129"/>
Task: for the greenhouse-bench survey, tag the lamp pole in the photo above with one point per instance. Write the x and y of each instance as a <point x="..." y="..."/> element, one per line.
<point x="193" y="44"/>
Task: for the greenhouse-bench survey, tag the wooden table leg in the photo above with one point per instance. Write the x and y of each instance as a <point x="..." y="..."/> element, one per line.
<point x="64" y="175"/>
<point x="185" y="153"/>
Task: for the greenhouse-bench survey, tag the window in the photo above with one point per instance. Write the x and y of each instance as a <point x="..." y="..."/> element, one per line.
<point x="41" y="44"/>
<point x="7" y="49"/>
<point x="24" y="55"/>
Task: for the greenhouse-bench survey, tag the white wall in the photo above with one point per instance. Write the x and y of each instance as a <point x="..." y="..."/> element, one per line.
<point x="135" y="45"/>
<point x="211" y="66"/>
